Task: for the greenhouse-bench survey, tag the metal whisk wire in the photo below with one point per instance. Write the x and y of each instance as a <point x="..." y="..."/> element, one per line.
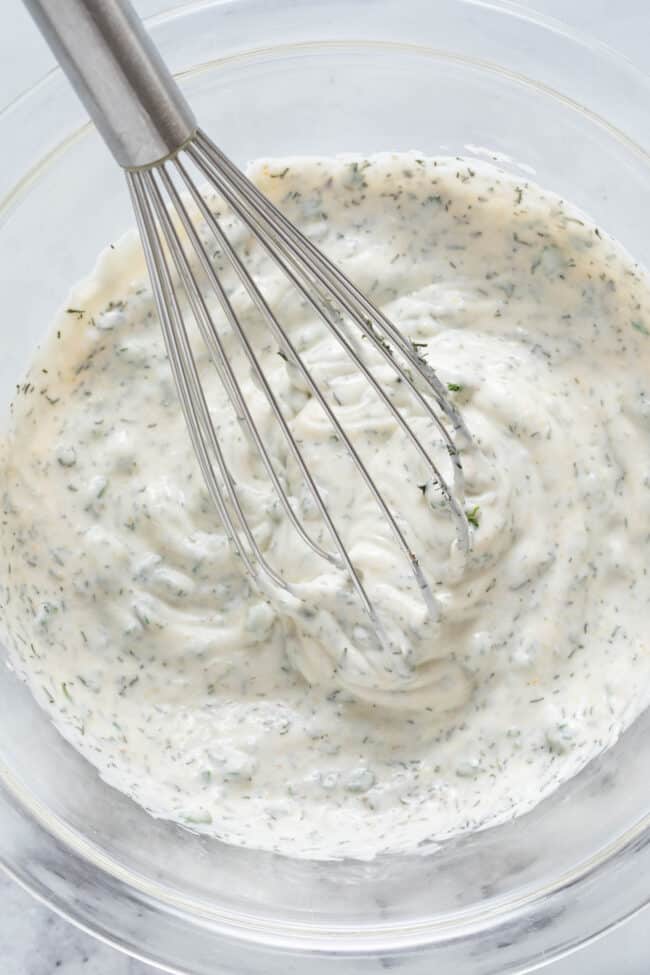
<point x="151" y="130"/>
<point x="155" y="196"/>
<point x="292" y="248"/>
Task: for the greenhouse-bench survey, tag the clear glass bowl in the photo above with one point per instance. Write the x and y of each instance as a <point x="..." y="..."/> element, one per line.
<point x="325" y="76"/>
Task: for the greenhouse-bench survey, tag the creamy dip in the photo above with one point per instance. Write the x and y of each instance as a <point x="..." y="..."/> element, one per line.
<point x="280" y="723"/>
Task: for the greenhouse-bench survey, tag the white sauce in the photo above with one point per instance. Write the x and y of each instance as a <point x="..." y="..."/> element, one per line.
<point x="282" y="726"/>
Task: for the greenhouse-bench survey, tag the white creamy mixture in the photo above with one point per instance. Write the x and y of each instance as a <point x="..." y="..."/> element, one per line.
<point x="284" y="726"/>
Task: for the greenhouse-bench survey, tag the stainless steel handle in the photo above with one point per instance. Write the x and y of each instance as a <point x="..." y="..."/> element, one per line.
<point x="119" y="75"/>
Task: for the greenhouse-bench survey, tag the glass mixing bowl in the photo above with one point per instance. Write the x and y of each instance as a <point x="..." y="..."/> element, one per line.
<point x="324" y="76"/>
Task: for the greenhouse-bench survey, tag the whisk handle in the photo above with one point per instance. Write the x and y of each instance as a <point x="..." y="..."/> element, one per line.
<point x="119" y="75"/>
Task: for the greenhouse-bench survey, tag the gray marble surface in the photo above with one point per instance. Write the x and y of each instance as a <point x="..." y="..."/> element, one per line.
<point x="34" y="940"/>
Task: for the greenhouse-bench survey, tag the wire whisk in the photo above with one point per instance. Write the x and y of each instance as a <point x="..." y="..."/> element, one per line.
<point x="146" y="122"/>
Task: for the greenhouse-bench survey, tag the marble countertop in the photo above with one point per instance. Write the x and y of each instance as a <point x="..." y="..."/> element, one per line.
<point x="34" y="940"/>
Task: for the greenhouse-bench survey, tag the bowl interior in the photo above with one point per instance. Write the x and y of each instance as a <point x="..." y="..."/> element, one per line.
<point x="309" y="97"/>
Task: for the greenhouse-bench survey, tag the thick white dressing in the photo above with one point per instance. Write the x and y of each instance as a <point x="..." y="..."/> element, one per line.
<point x="279" y="722"/>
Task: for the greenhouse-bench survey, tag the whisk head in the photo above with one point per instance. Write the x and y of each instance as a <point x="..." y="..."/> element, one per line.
<point x="167" y="198"/>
